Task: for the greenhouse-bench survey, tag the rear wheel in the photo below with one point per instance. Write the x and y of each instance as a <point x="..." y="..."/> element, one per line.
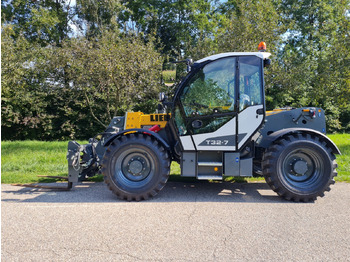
<point x="299" y="167"/>
<point x="135" y="167"/>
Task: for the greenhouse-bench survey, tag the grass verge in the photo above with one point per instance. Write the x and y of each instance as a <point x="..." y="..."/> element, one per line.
<point x="343" y="160"/>
<point x="22" y="161"/>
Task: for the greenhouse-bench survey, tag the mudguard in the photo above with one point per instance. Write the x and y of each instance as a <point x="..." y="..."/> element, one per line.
<point x="140" y="131"/>
<point x="268" y="140"/>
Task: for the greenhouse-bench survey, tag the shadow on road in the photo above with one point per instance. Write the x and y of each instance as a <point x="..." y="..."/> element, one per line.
<point x="179" y="191"/>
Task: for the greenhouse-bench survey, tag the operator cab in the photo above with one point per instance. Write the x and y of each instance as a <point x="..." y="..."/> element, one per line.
<point x="220" y="104"/>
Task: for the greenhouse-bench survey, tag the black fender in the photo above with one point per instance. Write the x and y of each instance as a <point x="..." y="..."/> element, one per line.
<point x="139" y="131"/>
<point x="280" y="133"/>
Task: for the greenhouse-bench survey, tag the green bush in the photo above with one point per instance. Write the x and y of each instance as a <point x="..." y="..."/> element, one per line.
<point x="73" y="91"/>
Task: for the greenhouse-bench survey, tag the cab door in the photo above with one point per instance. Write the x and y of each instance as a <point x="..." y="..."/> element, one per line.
<point x="208" y="105"/>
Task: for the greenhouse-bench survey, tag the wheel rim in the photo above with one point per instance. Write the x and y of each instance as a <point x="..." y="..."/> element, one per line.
<point x="302" y="169"/>
<point x="133" y="168"/>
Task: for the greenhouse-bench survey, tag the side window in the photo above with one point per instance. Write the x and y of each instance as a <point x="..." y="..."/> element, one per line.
<point x="181" y="126"/>
<point x="250" y="82"/>
<point x="211" y="90"/>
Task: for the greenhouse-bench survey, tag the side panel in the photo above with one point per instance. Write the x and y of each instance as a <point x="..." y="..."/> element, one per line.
<point x="297" y="118"/>
<point x="223" y="139"/>
<point x="248" y="122"/>
<point x="188" y="164"/>
<point x="187" y="143"/>
<point x="235" y="166"/>
<point x="246" y="167"/>
<point x="231" y="164"/>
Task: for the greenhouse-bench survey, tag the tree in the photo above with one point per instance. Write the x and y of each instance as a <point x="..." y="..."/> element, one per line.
<point x="247" y="23"/>
<point x="72" y="90"/>
<point x="177" y="24"/>
<point x="113" y="74"/>
<point x="45" y="22"/>
<point x="94" y="16"/>
<point x="314" y="60"/>
<point x="68" y="68"/>
<point x="23" y="91"/>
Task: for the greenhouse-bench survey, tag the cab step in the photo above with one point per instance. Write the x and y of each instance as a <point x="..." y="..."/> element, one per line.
<point x="209" y="170"/>
<point x="210" y="164"/>
<point x="209" y="177"/>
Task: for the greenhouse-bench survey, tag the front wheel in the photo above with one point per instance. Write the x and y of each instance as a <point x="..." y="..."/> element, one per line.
<point x="135" y="167"/>
<point x="299" y="167"/>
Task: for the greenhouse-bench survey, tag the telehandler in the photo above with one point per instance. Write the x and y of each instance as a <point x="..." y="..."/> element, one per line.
<point x="215" y="125"/>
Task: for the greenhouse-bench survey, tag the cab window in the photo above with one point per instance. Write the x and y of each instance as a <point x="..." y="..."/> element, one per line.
<point x="211" y="90"/>
<point x="250" y="82"/>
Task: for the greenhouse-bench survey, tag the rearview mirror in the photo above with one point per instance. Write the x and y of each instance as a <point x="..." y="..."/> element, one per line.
<point x="267" y="62"/>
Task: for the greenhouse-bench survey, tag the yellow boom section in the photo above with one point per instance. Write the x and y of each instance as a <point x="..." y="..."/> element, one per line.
<point x="141" y="120"/>
<point x="276" y="111"/>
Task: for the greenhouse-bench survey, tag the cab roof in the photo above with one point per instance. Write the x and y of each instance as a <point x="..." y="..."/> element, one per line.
<point x="262" y="55"/>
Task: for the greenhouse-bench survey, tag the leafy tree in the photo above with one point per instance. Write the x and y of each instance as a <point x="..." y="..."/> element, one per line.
<point x="45" y="22"/>
<point x="70" y="91"/>
<point x="68" y="68"/>
<point x="94" y="16"/>
<point x="111" y="75"/>
<point x="23" y="88"/>
<point x="246" y="24"/>
<point x="177" y="24"/>
<point x="314" y="61"/>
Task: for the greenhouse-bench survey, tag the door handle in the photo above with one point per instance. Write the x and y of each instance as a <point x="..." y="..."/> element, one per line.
<point x="260" y="111"/>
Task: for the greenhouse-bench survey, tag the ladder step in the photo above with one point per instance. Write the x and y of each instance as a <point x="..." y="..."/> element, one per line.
<point x="209" y="163"/>
<point x="209" y="177"/>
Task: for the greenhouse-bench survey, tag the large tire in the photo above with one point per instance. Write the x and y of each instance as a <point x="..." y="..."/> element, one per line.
<point x="299" y="167"/>
<point x="135" y="167"/>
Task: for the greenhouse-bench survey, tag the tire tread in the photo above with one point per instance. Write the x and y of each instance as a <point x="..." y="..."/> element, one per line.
<point x="149" y="142"/>
<point x="269" y="163"/>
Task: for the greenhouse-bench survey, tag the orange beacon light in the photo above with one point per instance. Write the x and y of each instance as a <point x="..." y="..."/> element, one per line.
<point x="262" y="47"/>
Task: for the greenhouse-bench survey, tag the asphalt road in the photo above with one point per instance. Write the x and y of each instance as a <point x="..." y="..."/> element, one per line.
<point x="198" y="221"/>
